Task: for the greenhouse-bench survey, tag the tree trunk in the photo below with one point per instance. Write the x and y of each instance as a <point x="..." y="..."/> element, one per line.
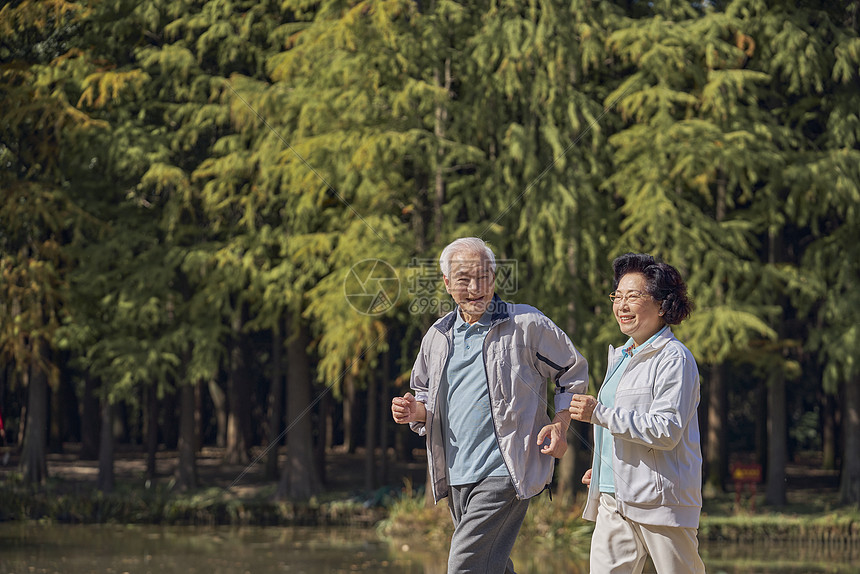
<point x="239" y="397"/>
<point x="63" y="413"/>
<point x="219" y="402"/>
<point x="151" y="410"/>
<point x="186" y="469"/>
<point x="349" y="412"/>
<point x="400" y="433"/>
<point x="849" y="487"/>
<point x="383" y="403"/>
<point x="275" y="407"/>
<point x="777" y="444"/>
<point x="105" y="481"/>
<point x="55" y="432"/>
<point x="777" y="419"/>
<point x="761" y="423"/>
<point x="34" y="466"/>
<point x="299" y="480"/>
<point x="576" y="460"/>
<point x="90" y="420"/>
<point x="716" y="459"/>
<point x="569" y="465"/>
<point x="401" y="444"/>
<point x="703" y="423"/>
<point x="169" y="418"/>
<point x="198" y="415"/>
<point x="325" y="430"/>
<point x="327" y="413"/>
<point x="370" y="434"/>
<point x="566" y="467"/>
<point x="828" y="432"/>
<point x="71" y="409"/>
<point x="121" y="425"/>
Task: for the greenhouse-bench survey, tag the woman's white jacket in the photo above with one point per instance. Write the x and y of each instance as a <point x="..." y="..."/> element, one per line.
<point x="657" y="457"/>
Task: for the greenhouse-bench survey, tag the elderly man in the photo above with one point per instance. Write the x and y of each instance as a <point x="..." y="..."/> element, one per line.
<point x="480" y="383"/>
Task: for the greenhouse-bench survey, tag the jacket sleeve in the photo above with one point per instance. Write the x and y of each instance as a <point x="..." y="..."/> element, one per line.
<point x="558" y="360"/>
<point x="418" y="382"/>
<point x="660" y="425"/>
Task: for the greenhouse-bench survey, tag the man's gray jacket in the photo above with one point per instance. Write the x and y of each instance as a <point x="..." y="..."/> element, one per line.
<point x="523" y="349"/>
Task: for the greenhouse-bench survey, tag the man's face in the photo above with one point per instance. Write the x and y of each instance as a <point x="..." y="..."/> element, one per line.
<point x="471" y="283"/>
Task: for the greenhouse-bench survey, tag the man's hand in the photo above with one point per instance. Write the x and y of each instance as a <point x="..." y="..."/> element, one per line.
<point x="407" y="409"/>
<point x="555" y="432"/>
<point x="582" y="407"/>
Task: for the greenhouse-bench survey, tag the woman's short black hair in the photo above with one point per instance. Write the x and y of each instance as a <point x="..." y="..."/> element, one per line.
<point x="663" y="283"/>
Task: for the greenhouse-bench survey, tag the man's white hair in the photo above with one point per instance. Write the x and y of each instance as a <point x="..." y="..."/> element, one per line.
<point x="468" y="244"/>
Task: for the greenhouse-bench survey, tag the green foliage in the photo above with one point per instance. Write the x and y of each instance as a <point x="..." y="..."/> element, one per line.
<point x="169" y="164"/>
<point x="557" y="524"/>
<point x="410" y="518"/>
<point x="160" y="504"/>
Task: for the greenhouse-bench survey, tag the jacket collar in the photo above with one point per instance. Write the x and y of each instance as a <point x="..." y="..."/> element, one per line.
<point x="658" y="343"/>
<point x="501" y="312"/>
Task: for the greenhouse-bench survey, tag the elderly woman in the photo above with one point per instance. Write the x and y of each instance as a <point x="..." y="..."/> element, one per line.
<point x="645" y="483"/>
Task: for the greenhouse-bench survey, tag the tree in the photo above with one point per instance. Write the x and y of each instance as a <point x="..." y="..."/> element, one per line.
<point x="38" y="214"/>
<point x="814" y="95"/>
<point x="534" y="106"/>
<point x="299" y="479"/>
<point x="691" y="167"/>
<point x="183" y="179"/>
<point x="347" y="171"/>
<point x="161" y="100"/>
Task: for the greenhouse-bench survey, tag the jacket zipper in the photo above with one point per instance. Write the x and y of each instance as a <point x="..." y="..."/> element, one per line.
<point x="436" y="408"/>
<point x="493" y="410"/>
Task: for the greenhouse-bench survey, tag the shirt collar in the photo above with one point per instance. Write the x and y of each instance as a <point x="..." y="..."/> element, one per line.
<point x="630" y="350"/>
<point x="460" y="324"/>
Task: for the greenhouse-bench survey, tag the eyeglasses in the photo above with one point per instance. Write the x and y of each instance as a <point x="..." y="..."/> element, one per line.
<point x="632" y="298"/>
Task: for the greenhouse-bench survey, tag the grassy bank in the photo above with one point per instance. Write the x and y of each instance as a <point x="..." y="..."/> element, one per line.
<point x="397" y="515"/>
<point x="558" y="523"/>
<point x="64" y="502"/>
<point x="836" y="527"/>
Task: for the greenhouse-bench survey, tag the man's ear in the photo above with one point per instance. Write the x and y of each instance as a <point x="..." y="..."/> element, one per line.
<point x="447" y="284"/>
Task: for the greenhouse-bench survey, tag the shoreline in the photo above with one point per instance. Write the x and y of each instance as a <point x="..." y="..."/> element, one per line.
<point x="69" y="496"/>
<point x="392" y="514"/>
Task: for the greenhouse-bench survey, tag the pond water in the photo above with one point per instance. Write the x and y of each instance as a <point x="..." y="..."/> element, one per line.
<point x="33" y="548"/>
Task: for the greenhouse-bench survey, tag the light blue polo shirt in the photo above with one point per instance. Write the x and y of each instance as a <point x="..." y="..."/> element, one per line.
<point x="471" y="449"/>
<point x="603" y="439"/>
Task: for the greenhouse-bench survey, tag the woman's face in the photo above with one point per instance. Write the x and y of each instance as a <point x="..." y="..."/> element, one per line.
<point x="638" y="317"/>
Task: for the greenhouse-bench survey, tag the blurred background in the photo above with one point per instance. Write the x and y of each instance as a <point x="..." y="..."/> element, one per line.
<point x="220" y="220"/>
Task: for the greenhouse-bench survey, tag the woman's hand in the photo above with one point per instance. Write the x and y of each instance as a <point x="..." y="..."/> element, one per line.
<point x="586" y="478"/>
<point x="582" y="407"/>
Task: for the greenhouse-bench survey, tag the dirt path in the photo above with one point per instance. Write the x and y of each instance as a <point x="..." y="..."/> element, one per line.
<point x="344" y="471"/>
